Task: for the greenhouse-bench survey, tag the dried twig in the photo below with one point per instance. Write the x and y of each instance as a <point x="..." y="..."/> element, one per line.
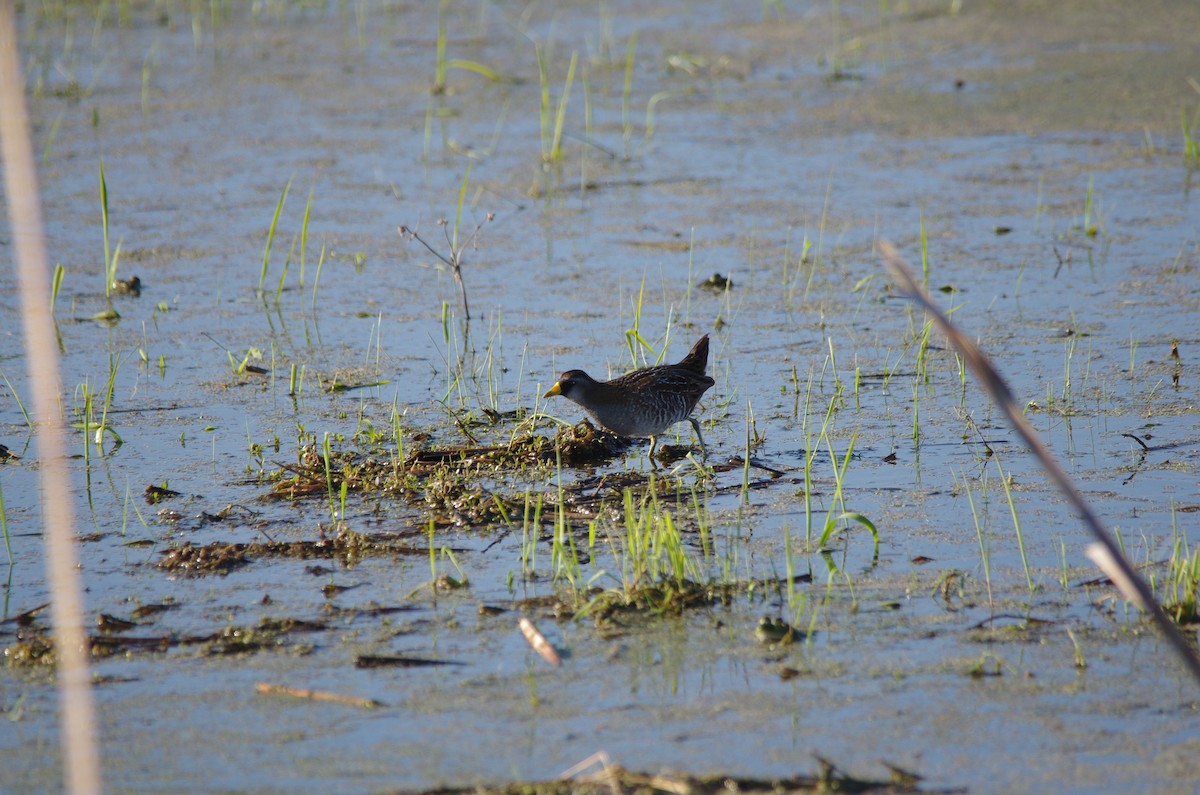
<point x="316" y="695"/>
<point x="538" y="641"/>
<point x="454" y="261"/>
<point x="609" y="773"/>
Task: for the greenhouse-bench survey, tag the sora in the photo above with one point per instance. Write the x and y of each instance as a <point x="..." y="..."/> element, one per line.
<point x="645" y="402"/>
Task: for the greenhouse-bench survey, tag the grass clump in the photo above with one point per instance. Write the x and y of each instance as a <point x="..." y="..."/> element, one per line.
<point x="1190" y="123"/>
<point x="453" y="483"/>
<point x="1181" y="584"/>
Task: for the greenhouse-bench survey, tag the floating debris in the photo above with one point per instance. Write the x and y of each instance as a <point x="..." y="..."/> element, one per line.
<point x="614" y="778"/>
<point x="223" y="557"/>
<point x="30" y="651"/>
<point x="131" y="286"/>
<point x="145" y="611"/>
<point x="538" y="641"/>
<point x="399" y="661"/>
<point x="776" y="631"/>
<point x="717" y="283"/>
<point x="670" y="597"/>
<point x="155" y="494"/>
<point x="316" y="695"/>
<point x="216" y="558"/>
<point x="108" y="623"/>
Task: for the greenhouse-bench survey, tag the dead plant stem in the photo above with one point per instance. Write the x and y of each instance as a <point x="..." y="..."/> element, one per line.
<point x="996" y="388"/>
<point x="81" y="762"/>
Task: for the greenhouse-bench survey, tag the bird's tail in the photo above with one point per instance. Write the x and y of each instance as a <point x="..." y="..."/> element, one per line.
<point x="697" y="357"/>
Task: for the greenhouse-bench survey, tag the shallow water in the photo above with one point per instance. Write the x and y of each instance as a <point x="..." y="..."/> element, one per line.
<point x="755" y="148"/>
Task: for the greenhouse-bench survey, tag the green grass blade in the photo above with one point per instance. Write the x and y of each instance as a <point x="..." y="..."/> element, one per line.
<point x="56" y="285"/>
<point x="104" y="225"/>
<point x="110" y="271"/>
<point x="850" y="516"/>
<point x="462" y="197"/>
<point x="262" y="279"/>
<point x="317" y="277"/>
<point x="648" y="134"/>
<point x="4" y="529"/>
<point x="304" y="234"/>
<point x="473" y="66"/>
<point x="544" y="106"/>
<point x="561" y="113"/>
<point x="17" y="398"/>
<point x="439" y="77"/>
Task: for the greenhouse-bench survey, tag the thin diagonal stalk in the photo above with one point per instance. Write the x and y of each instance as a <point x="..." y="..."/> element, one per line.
<point x="996" y="388"/>
<point x="81" y="761"/>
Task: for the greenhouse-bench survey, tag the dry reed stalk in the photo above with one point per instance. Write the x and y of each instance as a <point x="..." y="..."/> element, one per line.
<point x="1104" y="551"/>
<point x="81" y="761"/>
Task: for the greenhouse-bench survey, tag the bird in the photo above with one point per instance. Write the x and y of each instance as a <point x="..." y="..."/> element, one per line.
<point x="646" y="401"/>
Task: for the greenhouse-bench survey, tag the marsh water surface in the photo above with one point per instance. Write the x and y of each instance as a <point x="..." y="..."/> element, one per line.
<point x="1028" y="157"/>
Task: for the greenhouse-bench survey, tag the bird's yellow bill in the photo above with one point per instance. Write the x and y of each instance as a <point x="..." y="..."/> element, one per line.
<point x="554" y="390"/>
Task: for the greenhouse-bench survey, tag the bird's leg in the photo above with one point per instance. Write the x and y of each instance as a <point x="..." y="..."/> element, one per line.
<point x="696" y="426"/>
<point x="654" y="441"/>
